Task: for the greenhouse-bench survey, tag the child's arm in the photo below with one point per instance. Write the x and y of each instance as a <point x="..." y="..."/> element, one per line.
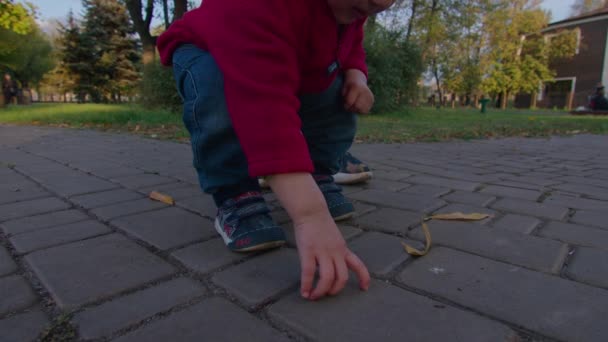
<point x="319" y="241"/>
<point x="358" y="97"/>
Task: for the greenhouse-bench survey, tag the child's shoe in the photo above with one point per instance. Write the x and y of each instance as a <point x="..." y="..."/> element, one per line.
<point x="246" y="226"/>
<point x="352" y="171"/>
<point x="339" y="206"/>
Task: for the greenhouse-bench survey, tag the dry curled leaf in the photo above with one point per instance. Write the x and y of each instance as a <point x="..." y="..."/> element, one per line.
<point x="458" y="216"/>
<point x="416" y="252"/>
<point x="157" y="196"/>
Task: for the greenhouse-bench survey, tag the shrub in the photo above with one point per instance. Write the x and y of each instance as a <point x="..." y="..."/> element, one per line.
<point x="158" y="88"/>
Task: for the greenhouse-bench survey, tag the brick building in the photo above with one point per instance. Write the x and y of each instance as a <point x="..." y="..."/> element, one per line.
<point x="577" y="77"/>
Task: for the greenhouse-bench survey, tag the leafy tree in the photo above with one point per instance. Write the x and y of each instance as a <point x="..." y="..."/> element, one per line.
<point x="102" y="52"/>
<point x="142" y="16"/>
<point x="29" y="58"/>
<point x="583" y="6"/>
<point x="18" y="18"/>
<point x="518" y="57"/>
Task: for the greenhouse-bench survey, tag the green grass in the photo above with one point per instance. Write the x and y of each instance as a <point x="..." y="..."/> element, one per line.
<point x="119" y="118"/>
<point x="429" y="124"/>
<point x="423" y="124"/>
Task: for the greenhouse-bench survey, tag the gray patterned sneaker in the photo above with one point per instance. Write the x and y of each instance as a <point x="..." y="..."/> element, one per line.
<point x="352" y="171"/>
<point x="339" y="206"/>
<point x="245" y="224"/>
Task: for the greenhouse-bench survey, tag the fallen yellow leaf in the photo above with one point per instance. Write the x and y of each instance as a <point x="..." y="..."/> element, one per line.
<point x="458" y="216"/>
<point x="157" y="196"/>
<point x="416" y="252"/>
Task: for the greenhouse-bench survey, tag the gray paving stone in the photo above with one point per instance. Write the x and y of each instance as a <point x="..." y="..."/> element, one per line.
<point x="382" y="184"/>
<point x="517" y="223"/>
<point x="17" y="192"/>
<point x="72" y="274"/>
<point x="399" y="200"/>
<point x="467" y="209"/>
<point x="445" y="182"/>
<point x="590" y="266"/>
<point x="529" y="251"/>
<point x="24" y="327"/>
<point x="471" y="198"/>
<point x="262" y="278"/>
<point x="576" y="202"/>
<point x="592" y="218"/>
<point x="576" y="234"/>
<point x="384" y="313"/>
<point x="207" y="256"/>
<point x="101" y="199"/>
<point x="195" y="324"/>
<point x="589" y="190"/>
<point x="586" y="181"/>
<point x="32" y="223"/>
<point x="76" y="183"/>
<point x="113" y="211"/>
<point x="509" y="192"/>
<point x="519" y="185"/>
<point x="426" y="190"/>
<point x="16" y="294"/>
<point x="33" y="207"/>
<point x="122" y="312"/>
<point x="348" y="233"/>
<point x="7" y="265"/>
<point x="115" y="172"/>
<point x="531" y="208"/>
<point x="27" y="242"/>
<point x="539" y="302"/>
<point x="142" y="180"/>
<point x="167" y="228"/>
<point x="390" y="220"/>
<point x="534" y="180"/>
<point x="202" y="204"/>
<point x="381" y="253"/>
<point x="362" y="209"/>
<point x="394" y="175"/>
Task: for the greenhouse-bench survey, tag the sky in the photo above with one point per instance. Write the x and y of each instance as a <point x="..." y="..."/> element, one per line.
<point x="49" y="9"/>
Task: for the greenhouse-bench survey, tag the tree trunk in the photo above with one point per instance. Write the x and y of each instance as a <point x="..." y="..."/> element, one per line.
<point x="533" y="100"/>
<point x="505" y="96"/>
<point x="438" y="82"/>
<point x="410" y="25"/>
<point x="166" y="13"/>
<point x="180" y="7"/>
<point x="142" y="26"/>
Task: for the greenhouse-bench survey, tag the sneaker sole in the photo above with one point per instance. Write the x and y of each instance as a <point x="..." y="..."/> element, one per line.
<point x="352" y="178"/>
<point x="260" y="247"/>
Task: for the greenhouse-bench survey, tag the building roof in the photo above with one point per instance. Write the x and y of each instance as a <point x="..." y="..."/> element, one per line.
<point x="583" y="17"/>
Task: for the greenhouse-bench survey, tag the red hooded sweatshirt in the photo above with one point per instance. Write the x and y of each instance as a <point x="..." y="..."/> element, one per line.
<point x="270" y="51"/>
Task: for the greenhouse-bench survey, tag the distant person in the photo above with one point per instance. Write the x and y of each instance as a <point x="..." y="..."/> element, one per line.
<point x="9" y="89"/>
<point x="598" y="100"/>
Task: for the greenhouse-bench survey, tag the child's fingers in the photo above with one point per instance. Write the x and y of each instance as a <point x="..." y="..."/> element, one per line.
<point x="341" y="277"/>
<point x="350" y="99"/>
<point x="326" y="277"/>
<point x="355" y="264"/>
<point x="308" y="275"/>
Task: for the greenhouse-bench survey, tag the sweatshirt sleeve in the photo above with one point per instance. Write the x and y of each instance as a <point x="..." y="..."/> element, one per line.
<point x="356" y="58"/>
<point x="255" y="49"/>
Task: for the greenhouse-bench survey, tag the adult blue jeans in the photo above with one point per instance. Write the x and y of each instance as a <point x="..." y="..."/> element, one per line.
<point x="217" y="154"/>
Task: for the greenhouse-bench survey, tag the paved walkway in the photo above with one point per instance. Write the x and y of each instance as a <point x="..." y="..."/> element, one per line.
<point x="84" y="253"/>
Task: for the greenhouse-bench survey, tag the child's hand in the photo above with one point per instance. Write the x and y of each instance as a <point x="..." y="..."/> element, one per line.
<point x="358" y="97"/>
<point x="319" y="241"/>
<point x="321" y="244"/>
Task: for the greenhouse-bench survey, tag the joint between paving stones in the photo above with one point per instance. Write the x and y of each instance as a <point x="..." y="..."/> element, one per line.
<point x="535" y="335"/>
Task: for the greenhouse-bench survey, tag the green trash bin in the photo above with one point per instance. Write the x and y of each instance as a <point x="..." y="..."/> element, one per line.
<point x="484" y="103"/>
